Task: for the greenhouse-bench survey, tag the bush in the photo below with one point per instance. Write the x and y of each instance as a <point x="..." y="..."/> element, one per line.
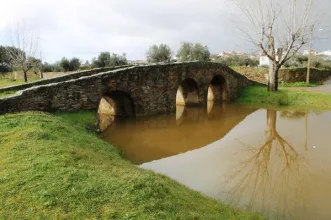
<point x="237" y="60"/>
<point x="85" y="67"/>
<point x="302" y="62"/>
<point x="46" y="67"/>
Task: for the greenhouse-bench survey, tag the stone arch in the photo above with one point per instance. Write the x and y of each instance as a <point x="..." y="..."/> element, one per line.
<point x="188" y="93"/>
<point x="114" y="104"/>
<point x="218" y="89"/>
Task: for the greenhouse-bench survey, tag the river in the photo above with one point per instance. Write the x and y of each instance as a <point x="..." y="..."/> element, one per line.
<point x="272" y="161"/>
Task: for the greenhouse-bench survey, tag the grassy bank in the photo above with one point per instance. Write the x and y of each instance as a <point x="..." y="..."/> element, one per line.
<point x="284" y="97"/>
<point x="55" y="167"/>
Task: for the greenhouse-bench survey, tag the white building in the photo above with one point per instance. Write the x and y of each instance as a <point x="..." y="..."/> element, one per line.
<point x="306" y="52"/>
<point x="264" y="60"/>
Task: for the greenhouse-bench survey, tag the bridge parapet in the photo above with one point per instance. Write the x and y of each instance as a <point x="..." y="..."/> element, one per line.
<point x="63" y="78"/>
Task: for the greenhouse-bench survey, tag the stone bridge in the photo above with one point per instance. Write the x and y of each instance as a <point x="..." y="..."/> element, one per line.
<point x="133" y="91"/>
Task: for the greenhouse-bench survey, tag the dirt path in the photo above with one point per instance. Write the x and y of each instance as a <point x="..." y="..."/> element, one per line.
<point x="325" y="88"/>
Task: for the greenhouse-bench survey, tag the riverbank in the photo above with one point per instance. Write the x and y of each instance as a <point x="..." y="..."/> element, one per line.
<point x="55" y="166"/>
<point x="284" y="97"/>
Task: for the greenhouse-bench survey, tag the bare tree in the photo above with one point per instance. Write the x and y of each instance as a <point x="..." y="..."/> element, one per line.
<point x="41" y="71"/>
<point x="279" y="28"/>
<point x="270" y="170"/>
<point x="26" y="43"/>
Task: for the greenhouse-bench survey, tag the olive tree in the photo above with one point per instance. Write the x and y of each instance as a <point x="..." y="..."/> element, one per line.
<point x="69" y="65"/>
<point x="74" y="64"/>
<point x="103" y="60"/>
<point x="36" y="64"/>
<point x="159" y="53"/>
<point x="4" y="59"/>
<point x="193" y="52"/>
<point x="279" y="28"/>
<point x="64" y="64"/>
<point x="106" y="59"/>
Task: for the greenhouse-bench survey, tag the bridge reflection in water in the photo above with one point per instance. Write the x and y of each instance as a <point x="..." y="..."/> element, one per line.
<point x="152" y="138"/>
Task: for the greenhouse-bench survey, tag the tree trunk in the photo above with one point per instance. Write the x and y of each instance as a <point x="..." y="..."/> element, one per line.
<point x="309" y="55"/>
<point x="41" y="75"/>
<point x="273" y="78"/>
<point x="25" y="76"/>
<point x="306" y="125"/>
<point x="271" y="122"/>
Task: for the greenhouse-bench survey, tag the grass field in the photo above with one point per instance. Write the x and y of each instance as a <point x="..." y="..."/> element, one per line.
<point x="11" y="79"/>
<point x="284" y="97"/>
<point x="5" y="82"/>
<point x="298" y="84"/>
<point x="55" y="167"/>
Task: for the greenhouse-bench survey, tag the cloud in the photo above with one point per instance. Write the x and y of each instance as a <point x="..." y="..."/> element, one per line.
<point x="83" y="28"/>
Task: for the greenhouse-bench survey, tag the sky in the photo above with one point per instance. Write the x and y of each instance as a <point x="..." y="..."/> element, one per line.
<point x="84" y="28"/>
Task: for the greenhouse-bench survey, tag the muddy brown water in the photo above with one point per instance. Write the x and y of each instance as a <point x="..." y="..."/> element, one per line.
<point x="275" y="162"/>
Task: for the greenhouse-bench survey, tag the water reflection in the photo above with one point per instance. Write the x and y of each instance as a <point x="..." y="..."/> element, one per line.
<point x="153" y="138"/>
<point x="293" y="114"/>
<point x="271" y="174"/>
<point x="270" y="162"/>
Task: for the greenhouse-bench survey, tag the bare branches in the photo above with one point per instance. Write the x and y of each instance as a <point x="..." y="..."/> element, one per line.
<point x="277" y="25"/>
<point x="270" y="170"/>
<point x="25" y="44"/>
<point x="288" y="26"/>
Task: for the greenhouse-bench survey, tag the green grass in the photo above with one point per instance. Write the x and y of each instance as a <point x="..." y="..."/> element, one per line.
<point x="298" y="84"/>
<point x="5" y="82"/>
<point x="55" y="167"/>
<point x="7" y="93"/>
<point x="284" y="97"/>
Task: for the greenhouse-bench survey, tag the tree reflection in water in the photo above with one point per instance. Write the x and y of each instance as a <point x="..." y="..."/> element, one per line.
<point x="269" y="180"/>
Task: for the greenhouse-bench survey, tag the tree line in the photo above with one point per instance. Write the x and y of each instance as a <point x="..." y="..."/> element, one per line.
<point x="156" y="54"/>
<point x="8" y="63"/>
<point x="187" y="52"/>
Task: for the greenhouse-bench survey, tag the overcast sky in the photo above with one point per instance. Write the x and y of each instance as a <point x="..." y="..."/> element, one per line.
<point x="84" y="28"/>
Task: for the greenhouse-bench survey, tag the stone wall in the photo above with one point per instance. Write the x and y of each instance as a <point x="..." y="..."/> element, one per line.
<point x="152" y="88"/>
<point x="70" y="76"/>
<point x="286" y="75"/>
